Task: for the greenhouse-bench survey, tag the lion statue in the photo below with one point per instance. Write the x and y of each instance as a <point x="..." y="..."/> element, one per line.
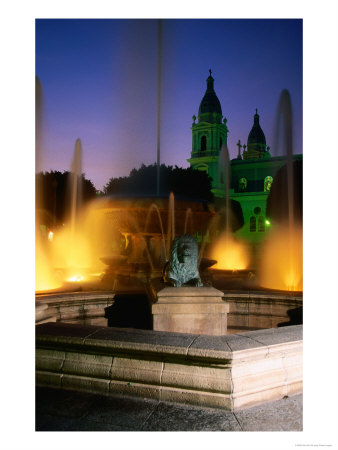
<point x="182" y="267"/>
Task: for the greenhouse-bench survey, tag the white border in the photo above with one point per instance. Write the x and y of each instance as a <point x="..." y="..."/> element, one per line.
<point x="320" y="214"/>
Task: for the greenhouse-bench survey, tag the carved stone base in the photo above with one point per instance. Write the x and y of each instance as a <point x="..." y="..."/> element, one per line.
<point x="197" y="310"/>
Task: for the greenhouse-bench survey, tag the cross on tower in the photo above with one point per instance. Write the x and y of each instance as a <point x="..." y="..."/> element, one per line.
<point x="239" y="148"/>
<point x="210" y="71"/>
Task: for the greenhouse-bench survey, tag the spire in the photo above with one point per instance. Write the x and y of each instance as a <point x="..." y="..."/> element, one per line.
<point x="256" y="135"/>
<point x="210" y="83"/>
<point x="210" y="104"/>
<point x="256" y="118"/>
<point x="256" y="140"/>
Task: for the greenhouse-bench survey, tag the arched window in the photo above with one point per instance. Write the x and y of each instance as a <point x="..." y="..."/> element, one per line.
<point x="203" y="143"/>
<point x="242" y="184"/>
<point x="252" y="223"/>
<point x="220" y="143"/>
<point x="267" y="183"/>
<point x="261" y="224"/>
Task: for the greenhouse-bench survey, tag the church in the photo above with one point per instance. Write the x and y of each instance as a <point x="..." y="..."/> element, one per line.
<point x="248" y="177"/>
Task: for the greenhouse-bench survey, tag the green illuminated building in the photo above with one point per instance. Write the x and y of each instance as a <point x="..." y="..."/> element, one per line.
<point x="251" y="173"/>
<point x="209" y="134"/>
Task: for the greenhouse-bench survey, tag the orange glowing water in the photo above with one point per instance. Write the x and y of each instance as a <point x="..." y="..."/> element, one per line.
<point x="44" y="275"/>
<point x="230" y="253"/>
<point x="281" y="262"/>
<point x="71" y="253"/>
<point x="74" y="256"/>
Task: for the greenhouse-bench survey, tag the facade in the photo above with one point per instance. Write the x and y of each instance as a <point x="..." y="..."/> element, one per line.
<point x="249" y="176"/>
<point x="209" y="135"/>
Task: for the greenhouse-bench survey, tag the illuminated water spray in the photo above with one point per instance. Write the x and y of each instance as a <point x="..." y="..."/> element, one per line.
<point x="224" y="162"/>
<point x="44" y="275"/>
<point x="282" y="254"/>
<point x="159" y="67"/>
<point x="38" y="124"/>
<point x="171" y="222"/>
<point x="229" y="253"/>
<point x="76" y="185"/>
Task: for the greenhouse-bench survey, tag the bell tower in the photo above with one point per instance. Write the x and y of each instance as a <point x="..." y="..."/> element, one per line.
<point x="209" y="134"/>
<point x="256" y="147"/>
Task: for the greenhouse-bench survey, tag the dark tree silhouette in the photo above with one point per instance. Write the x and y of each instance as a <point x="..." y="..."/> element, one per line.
<point x="188" y="182"/>
<point x="52" y="195"/>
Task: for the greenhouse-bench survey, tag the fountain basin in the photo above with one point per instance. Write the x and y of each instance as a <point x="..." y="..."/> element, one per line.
<point x="257" y="310"/>
<point x="230" y="372"/>
<point x="249" y="309"/>
<point x="73" y="307"/>
<point x="232" y="279"/>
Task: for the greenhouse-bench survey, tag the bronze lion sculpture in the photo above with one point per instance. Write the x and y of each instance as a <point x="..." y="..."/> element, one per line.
<point x="182" y="267"/>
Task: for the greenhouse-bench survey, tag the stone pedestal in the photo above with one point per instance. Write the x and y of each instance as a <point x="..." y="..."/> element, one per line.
<point x="197" y="310"/>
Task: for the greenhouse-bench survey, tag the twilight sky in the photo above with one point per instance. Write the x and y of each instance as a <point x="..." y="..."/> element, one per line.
<point x="99" y="81"/>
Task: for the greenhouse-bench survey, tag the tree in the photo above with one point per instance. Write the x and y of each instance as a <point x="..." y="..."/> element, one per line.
<point x="182" y="182"/>
<point x="52" y="195"/>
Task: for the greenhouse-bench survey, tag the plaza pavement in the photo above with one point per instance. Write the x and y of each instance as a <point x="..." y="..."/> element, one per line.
<point x="61" y="410"/>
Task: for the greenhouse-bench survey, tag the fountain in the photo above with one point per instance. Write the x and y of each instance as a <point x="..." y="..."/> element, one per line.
<point x="76" y="185"/>
<point x="64" y="250"/>
<point x="120" y="245"/>
<point x="214" y="371"/>
<point x="231" y="256"/>
<point x="281" y="259"/>
<point x="44" y="276"/>
<point x="281" y="262"/>
<point x="148" y="247"/>
<point x="113" y="246"/>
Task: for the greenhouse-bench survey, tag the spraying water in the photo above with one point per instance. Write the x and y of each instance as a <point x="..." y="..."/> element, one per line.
<point x="44" y="276"/>
<point x="38" y="124"/>
<point x="281" y="258"/>
<point x="224" y="164"/>
<point x="154" y="207"/>
<point x="229" y="253"/>
<point x="284" y="121"/>
<point x="188" y="217"/>
<point x="171" y="222"/>
<point x="70" y="254"/>
<point x="76" y="185"/>
<point x="159" y="67"/>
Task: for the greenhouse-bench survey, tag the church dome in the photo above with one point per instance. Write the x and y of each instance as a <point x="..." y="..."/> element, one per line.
<point x="256" y="135"/>
<point x="210" y="107"/>
<point x="256" y="147"/>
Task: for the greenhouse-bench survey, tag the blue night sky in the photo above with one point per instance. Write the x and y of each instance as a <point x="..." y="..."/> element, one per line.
<point x="99" y="80"/>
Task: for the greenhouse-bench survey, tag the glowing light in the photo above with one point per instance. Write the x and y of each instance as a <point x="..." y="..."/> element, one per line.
<point x="76" y="278"/>
<point x="72" y="255"/>
<point x="282" y="260"/>
<point x="230" y="254"/>
<point x="44" y="275"/>
<point x="267" y="222"/>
